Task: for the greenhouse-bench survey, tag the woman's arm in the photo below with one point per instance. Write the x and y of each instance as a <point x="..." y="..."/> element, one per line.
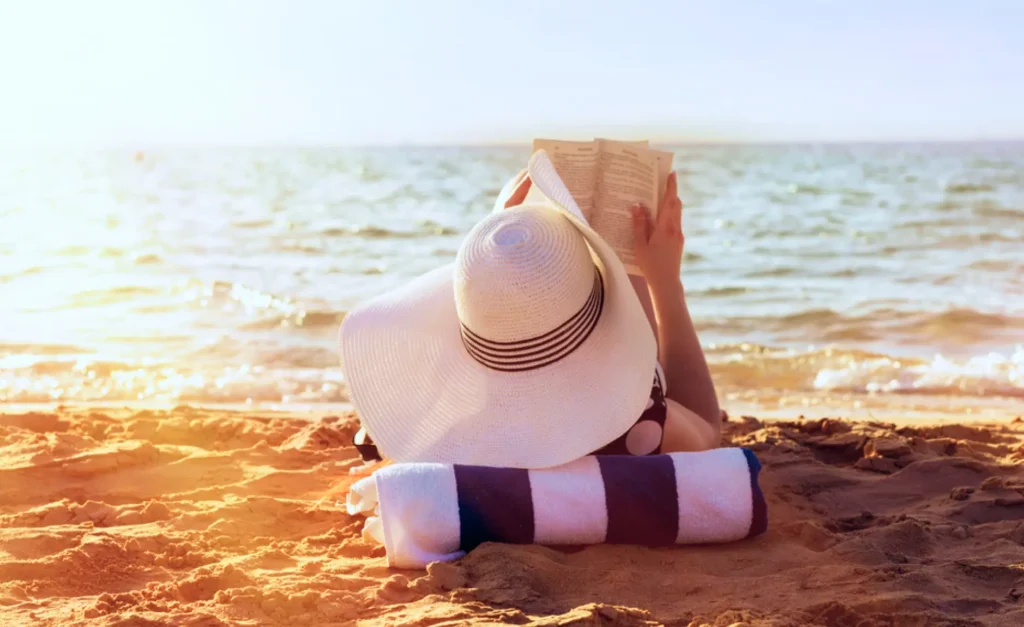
<point x="659" y="252"/>
<point x="688" y="377"/>
<point x="640" y="287"/>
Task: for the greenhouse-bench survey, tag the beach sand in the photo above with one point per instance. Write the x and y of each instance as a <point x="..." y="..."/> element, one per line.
<point x="207" y="517"/>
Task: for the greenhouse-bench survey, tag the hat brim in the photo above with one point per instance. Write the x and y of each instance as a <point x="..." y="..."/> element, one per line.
<point x="423" y="398"/>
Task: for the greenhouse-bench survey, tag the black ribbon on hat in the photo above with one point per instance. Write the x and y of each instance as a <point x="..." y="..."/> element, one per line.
<point x="542" y="350"/>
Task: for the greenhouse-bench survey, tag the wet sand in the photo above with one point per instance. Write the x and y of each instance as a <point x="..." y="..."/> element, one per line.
<point x="206" y="517"/>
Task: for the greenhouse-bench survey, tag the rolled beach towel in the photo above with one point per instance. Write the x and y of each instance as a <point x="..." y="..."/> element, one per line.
<point x="424" y="513"/>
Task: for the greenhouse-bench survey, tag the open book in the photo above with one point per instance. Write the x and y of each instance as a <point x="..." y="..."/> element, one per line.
<point x="606" y="179"/>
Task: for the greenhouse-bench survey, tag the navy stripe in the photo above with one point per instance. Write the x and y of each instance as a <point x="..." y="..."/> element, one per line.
<point x="543" y="350"/>
<point x="528" y="343"/>
<point x="495" y="505"/>
<point x="367" y="449"/>
<point x="640" y="494"/>
<point x="759" y="513"/>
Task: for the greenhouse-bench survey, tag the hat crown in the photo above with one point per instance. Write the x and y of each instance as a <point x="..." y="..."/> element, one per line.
<point x="521" y="273"/>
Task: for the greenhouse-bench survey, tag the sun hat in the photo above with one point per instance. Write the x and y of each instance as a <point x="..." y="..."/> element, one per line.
<point x="529" y="351"/>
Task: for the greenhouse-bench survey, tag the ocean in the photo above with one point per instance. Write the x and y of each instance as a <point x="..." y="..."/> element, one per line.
<point x="860" y="276"/>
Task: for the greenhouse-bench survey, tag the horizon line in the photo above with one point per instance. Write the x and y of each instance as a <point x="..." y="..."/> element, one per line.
<point x="150" y="145"/>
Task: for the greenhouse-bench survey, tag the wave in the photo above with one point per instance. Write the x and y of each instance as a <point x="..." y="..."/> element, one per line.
<point x="721" y="292"/>
<point x="772" y="272"/>
<point x="961" y="241"/>
<point x="265" y="311"/>
<point x="258" y="223"/>
<point x="309" y="248"/>
<point x="426" y="228"/>
<point x="39" y="364"/>
<point x="850" y="273"/>
<point x="987" y="375"/>
<point x="321" y="319"/>
<point x="962" y="325"/>
<point x="992" y="209"/>
<point x="22" y="273"/>
<point x="856" y="197"/>
<point x="997" y="265"/>
<point x="75" y="251"/>
<point x="125" y="382"/>
<point x="122" y="294"/>
<point x="811" y="230"/>
<point x="968" y="188"/>
<point x="308" y="320"/>
<point x="313" y="357"/>
<point x="358" y="231"/>
<point x="852" y="371"/>
<point x="933" y="223"/>
<point x="17" y="348"/>
<point x="810" y="190"/>
<point x="310" y="374"/>
<point x="147" y="259"/>
<point x="984" y="238"/>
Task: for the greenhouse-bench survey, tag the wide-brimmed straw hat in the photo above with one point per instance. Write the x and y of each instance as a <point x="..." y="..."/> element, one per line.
<point x="530" y="351"/>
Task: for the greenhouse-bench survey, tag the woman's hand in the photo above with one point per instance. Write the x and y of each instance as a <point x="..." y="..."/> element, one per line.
<point x="659" y="244"/>
<point x="517" y="197"/>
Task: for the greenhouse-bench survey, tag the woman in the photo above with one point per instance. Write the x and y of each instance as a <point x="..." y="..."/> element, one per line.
<point x="533" y="348"/>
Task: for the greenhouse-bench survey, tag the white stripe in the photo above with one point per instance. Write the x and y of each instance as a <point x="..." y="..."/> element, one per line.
<point x="569" y="504"/>
<point x="715" y="503"/>
<point x="419" y="509"/>
<point x="362" y="497"/>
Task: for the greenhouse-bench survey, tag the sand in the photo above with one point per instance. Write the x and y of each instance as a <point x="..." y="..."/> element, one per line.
<point x="201" y="517"/>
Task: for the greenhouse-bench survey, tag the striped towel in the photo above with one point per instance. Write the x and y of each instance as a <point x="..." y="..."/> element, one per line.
<point x="424" y="513"/>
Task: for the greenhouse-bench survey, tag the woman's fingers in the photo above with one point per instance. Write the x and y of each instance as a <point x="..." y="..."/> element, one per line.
<point x="668" y="213"/>
<point x="519" y="195"/>
<point x="661" y="220"/>
<point x="671" y="213"/>
<point x="641" y="228"/>
<point x="676" y="213"/>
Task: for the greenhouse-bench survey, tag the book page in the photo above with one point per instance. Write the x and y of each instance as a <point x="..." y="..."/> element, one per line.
<point x="662" y="157"/>
<point x="576" y="164"/>
<point x="626" y="176"/>
<point x="615" y="142"/>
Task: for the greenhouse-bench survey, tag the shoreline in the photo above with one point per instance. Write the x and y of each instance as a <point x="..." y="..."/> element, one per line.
<point x="774" y="405"/>
<point x="206" y="516"/>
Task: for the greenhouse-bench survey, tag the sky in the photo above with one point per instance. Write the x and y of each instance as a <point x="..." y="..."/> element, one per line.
<point x="368" y="72"/>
